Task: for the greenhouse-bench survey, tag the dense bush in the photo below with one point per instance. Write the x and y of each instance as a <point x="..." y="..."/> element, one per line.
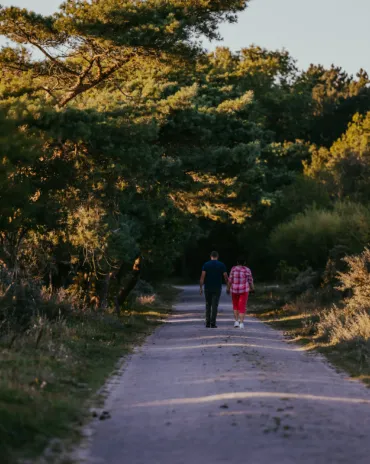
<point x="285" y="273"/>
<point x="310" y="236"/>
<point x="302" y="194"/>
<point x="348" y="322"/>
<point x="306" y="281"/>
<point x="357" y="280"/>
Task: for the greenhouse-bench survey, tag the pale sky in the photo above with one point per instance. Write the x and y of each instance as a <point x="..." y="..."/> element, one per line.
<point x="313" y="31"/>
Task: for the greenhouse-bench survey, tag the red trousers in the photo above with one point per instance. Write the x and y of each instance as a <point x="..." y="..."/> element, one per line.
<point x="240" y="301"/>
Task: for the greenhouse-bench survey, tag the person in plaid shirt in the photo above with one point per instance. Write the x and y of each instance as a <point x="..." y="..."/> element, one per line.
<point x="240" y="284"/>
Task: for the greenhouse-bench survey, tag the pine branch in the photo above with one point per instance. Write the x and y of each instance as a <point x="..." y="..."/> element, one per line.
<point x="81" y="88"/>
<point x="28" y="38"/>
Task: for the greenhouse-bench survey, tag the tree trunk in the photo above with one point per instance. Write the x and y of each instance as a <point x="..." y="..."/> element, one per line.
<point x="105" y="292"/>
<point x="126" y="288"/>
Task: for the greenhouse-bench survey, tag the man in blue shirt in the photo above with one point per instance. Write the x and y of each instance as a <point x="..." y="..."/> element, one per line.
<point x="212" y="273"/>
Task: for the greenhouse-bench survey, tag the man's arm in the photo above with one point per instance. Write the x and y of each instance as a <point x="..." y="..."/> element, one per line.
<point x="227" y="280"/>
<point x="226" y="277"/>
<point x="230" y="281"/>
<point x="202" y="279"/>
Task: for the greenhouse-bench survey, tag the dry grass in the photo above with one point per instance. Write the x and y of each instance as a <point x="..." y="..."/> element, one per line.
<point x="146" y="300"/>
<point x="340" y="333"/>
<point x="343" y="326"/>
<point x="50" y="373"/>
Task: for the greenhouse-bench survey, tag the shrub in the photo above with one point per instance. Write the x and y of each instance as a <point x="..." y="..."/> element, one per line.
<point x="306" y="281"/>
<point x="311" y="236"/>
<point x="143" y="288"/>
<point x="143" y="292"/>
<point x="357" y="279"/>
<point x="307" y="237"/>
<point x="285" y="273"/>
<point x="303" y="193"/>
<point x="341" y="325"/>
<point x="21" y="300"/>
<point x="351" y="324"/>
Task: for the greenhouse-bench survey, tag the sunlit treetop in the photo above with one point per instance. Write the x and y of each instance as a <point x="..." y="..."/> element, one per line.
<point x="86" y="42"/>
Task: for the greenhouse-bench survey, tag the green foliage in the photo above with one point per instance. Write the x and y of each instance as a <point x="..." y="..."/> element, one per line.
<point x="85" y="44"/>
<point x="303" y="193"/>
<point x="345" y="168"/>
<point x="310" y="236"/>
<point x="117" y="145"/>
<point x="330" y="99"/>
<point x="122" y="134"/>
<point x="285" y="273"/>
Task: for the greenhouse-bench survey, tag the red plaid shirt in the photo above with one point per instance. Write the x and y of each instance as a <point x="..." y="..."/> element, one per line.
<point x="240" y="279"/>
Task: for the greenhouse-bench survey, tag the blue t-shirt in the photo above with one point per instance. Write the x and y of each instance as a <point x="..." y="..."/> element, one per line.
<point x="214" y="273"/>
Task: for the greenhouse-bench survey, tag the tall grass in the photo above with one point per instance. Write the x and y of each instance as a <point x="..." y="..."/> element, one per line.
<point x="342" y="326"/>
<point x="53" y="367"/>
<point x="341" y="330"/>
<point x="350" y="324"/>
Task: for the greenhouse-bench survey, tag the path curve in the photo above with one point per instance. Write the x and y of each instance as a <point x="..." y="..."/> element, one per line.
<point x="192" y="395"/>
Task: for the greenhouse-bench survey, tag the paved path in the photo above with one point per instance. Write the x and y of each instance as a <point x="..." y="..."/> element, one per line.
<point x="193" y="395"/>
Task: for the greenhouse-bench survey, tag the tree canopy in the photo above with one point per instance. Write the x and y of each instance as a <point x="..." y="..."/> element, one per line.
<point x="125" y="144"/>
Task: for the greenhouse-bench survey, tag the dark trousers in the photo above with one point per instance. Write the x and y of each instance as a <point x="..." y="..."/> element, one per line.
<point x="212" y="301"/>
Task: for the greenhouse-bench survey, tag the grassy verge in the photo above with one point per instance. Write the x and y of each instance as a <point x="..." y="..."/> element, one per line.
<point x="46" y="383"/>
<point x="301" y="321"/>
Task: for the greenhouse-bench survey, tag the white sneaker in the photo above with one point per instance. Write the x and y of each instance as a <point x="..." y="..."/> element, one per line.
<point x="241" y="325"/>
<point x="236" y="324"/>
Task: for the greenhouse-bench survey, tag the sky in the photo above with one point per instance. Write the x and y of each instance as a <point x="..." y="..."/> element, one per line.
<point x="313" y="31"/>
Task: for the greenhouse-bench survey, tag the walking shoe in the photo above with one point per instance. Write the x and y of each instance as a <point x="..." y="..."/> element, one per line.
<point x="236" y="324"/>
<point x="213" y="326"/>
<point x="208" y="326"/>
<point x="241" y="325"/>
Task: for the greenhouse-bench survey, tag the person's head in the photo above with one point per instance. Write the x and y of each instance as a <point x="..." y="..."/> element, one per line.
<point x="214" y="256"/>
<point x="242" y="260"/>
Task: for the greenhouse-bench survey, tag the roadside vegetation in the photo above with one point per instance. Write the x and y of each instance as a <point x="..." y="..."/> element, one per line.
<point x="51" y="372"/>
<point x="331" y="318"/>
